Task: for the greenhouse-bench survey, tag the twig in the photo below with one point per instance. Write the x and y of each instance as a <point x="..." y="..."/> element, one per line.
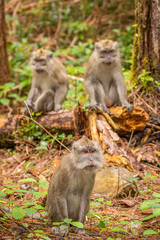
<point x="130" y="138"/>
<point x="4" y="212"/>
<point x="147" y="105"/>
<point x="31" y="118"/>
<point x="109" y="119"/>
<point x="153" y="125"/>
<point x="77" y="78"/>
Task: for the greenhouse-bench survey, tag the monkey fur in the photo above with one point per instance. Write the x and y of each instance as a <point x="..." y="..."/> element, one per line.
<point x="104" y="78"/>
<point x="49" y="83"/>
<point x="72" y="182"/>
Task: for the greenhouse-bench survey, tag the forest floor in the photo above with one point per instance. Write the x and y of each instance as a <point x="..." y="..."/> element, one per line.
<point x="122" y="217"/>
<point x="111" y="219"/>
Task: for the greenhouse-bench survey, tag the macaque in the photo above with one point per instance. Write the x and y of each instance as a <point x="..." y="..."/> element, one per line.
<point x="104" y="78"/>
<point x="49" y="83"/>
<point x="72" y="182"/>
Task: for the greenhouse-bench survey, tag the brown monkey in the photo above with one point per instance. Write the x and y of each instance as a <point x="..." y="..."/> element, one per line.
<point x="49" y="83"/>
<point x="71" y="184"/>
<point x="104" y="78"/>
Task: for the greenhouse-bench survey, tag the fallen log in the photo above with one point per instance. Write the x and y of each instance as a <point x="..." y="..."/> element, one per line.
<point x="98" y="126"/>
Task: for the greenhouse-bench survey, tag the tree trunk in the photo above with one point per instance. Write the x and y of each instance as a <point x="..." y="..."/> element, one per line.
<point x="4" y="65"/>
<point x="146" y="50"/>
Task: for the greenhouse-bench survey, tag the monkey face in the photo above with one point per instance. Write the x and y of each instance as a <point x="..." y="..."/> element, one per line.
<point x="107" y="50"/>
<point x="107" y="56"/>
<point x="39" y="65"/>
<point x="88" y="155"/>
<point x="40" y="60"/>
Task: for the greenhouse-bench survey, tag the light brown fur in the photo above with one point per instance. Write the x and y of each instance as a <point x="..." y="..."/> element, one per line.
<point x="49" y="83"/>
<point x="104" y="78"/>
<point x="72" y="182"/>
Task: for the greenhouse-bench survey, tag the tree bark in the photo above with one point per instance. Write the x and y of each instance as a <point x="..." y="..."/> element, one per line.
<point x="4" y="65"/>
<point x="146" y="49"/>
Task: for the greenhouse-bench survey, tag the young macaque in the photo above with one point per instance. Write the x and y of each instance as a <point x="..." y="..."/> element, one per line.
<point x="49" y="83"/>
<point x="72" y="182"/>
<point x="104" y="78"/>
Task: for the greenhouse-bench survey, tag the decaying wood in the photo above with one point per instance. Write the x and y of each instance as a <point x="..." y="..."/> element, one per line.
<point x="116" y="151"/>
<point x="97" y="125"/>
<point x="127" y="122"/>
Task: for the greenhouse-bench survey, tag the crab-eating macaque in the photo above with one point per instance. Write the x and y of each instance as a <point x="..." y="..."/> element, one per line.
<point x="49" y="83"/>
<point x="104" y="78"/>
<point x="72" y="182"/>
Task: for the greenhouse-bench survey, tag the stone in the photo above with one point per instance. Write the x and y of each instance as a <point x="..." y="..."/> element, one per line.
<point x="115" y="182"/>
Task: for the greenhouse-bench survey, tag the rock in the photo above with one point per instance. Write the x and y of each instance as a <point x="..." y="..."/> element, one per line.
<point x="115" y="182"/>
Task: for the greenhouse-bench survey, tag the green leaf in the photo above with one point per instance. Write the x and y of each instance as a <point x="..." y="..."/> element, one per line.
<point x="156" y="195"/>
<point x="30" y="235"/>
<point x="4" y="101"/>
<point x="116" y="229"/>
<point x="148" y="217"/>
<point x="57" y="223"/>
<point x="13" y="95"/>
<point x="39" y="207"/>
<point x="30" y="210"/>
<point x="38" y="194"/>
<point x="2" y="194"/>
<point x="9" y="84"/>
<point x="68" y="220"/>
<point x="18" y="215"/>
<point x="101" y="224"/>
<point x="62" y="227"/>
<point x="27" y="165"/>
<point x="24" y="84"/>
<point x="44" y="185"/>
<point x="156" y="212"/>
<point x="100" y="199"/>
<point x="25" y="224"/>
<point x="9" y="186"/>
<point x="77" y="224"/>
<point x="28" y="180"/>
<point x="95" y="204"/>
<point x="30" y="203"/>
<point x="149" y="232"/>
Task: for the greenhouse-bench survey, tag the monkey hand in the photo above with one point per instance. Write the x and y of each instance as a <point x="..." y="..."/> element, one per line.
<point x="93" y="107"/>
<point x="128" y="106"/>
<point x="58" y="231"/>
<point x="104" y="108"/>
<point x="29" y="103"/>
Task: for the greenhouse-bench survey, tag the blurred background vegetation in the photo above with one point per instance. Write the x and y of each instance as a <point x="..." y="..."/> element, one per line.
<point x="69" y="28"/>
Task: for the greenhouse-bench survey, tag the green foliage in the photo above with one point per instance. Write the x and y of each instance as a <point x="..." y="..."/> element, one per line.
<point x="125" y="40"/>
<point x="30" y="207"/>
<point x="147" y="81"/>
<point x="154" y="204"/>
<point x="67" y="223"/>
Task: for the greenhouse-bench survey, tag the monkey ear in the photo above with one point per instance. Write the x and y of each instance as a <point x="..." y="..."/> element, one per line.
<point x="33" y="54"/>
<point x="115" y="45"/>
<point x="96" y="45"/>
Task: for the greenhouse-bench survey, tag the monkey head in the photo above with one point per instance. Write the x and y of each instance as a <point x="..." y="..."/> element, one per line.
<point x="107" y="51"/>
<point x="41" y="60"/>
<point x="87" y="155"/>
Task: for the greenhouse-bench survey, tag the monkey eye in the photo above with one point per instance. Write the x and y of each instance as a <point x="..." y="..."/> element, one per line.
<point x="104" y="52"/>
<point x="85" y="151"/>
<point x="89" y="150"/>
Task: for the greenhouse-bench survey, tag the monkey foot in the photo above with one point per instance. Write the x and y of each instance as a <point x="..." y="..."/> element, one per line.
<point x="58" y="231"/>
<point x="104" y="108"/>
<point x="80" y="231"/>
<point x="128" y="106"/>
